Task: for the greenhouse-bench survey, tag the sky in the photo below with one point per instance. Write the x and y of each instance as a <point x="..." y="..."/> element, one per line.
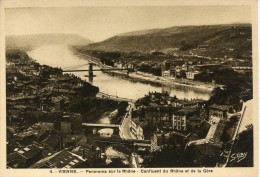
<point x="100" y="23"/>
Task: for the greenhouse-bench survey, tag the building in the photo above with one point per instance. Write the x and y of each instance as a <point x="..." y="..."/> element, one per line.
<point x="68" y="124"/>
<point x="118" y="64"/>
<point x="194" y="122"/>
<point x="191" y="74"/>
<point x="192" y="103"/>
<point x="180" y="118"/>
<point x="63" y="125"/>
<point x="217" y="111"/>
<point x="184" y="67"/>
<point x="52" y="143"/>
<point x="163" y="139"/>
<point x="89" y="152"/>
<point x="166" y="73"/>
<point x="76" y="122"/>
<point x="160" y="117"/>
<point x="62" y="159"/>
<point x="24" y="157"/>
<point x="207" y="67"/>
<point x="166" y="65"/>
<point x="169" y="118"/>
<point x="180" y="122"/>
<point x="136" y="130"/>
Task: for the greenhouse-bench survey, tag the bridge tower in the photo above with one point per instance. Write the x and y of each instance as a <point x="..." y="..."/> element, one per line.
<point x="127" y="70"/>
<point x="90" y="71"/>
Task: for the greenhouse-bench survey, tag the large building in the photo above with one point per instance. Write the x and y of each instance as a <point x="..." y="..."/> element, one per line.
<point x="180" y="118"/>
<point x="218" y="112"/>
<point x="159" y="116"/>
<point x="62" y="159"/>
<point x="24" y="157"/>
<point x="168" y="118"/>
<point x="68" y="124"/>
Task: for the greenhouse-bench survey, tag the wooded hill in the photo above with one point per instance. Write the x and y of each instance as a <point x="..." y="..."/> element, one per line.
<point x="236" y="37"/>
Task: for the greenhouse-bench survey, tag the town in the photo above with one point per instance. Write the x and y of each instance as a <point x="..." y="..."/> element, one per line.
<point x="202" y="66"/>
<point x="51" y="116"/>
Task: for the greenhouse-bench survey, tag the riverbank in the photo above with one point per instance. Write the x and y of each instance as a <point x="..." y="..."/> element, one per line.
<point x="149" y="78"/>
<point x="162" y="81"/>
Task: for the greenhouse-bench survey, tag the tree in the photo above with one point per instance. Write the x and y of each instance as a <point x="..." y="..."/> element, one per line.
<point x="217" y="96"/>
<point x="228" y="95"/>
<point x="186" y="45"/>
<point x="88" y="90"/>
<point x="182" y="74"/>
<point x="122" y="108"/>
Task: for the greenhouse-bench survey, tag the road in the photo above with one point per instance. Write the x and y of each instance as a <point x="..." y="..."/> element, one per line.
<point x="125" y="129"/>
<point x="126" y="121"/>
<point x="126" y="124"/>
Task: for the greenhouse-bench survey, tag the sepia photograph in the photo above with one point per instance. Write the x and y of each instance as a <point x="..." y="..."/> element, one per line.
<point x="130" y="87"/>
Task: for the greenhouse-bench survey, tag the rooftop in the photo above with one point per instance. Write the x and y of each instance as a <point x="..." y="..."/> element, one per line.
<point x="220" y="107"/>
<point x="187" y="111"/>
<point x="28" y="151"/>
<point x="52" y="140"/>
<point x="62" y="159"/>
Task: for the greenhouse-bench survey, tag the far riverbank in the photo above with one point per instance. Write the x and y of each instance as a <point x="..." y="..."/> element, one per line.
<point x="149" y="78"/>
<point x="158" y="80"/>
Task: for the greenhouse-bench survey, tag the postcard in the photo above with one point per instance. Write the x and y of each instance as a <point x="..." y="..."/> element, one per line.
<point x="136" y="88"/>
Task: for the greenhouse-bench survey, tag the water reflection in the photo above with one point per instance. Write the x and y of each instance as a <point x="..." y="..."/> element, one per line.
<point x="166" y="89"/>
<point x="90" y="79"/>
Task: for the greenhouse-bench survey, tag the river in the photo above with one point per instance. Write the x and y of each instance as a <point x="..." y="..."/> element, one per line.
<point x="62" y="56"/>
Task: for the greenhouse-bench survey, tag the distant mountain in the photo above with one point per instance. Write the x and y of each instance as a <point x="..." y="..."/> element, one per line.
<point x="35" y="40"/>
<point x="180" y="37"/>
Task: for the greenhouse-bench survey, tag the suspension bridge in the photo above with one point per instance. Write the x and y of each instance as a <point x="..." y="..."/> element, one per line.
<point x="90" y="69"/>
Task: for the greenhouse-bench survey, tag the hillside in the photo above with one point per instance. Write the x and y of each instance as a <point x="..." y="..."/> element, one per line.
<point x="27" y="42"/>
<point x="237" y="36"/>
